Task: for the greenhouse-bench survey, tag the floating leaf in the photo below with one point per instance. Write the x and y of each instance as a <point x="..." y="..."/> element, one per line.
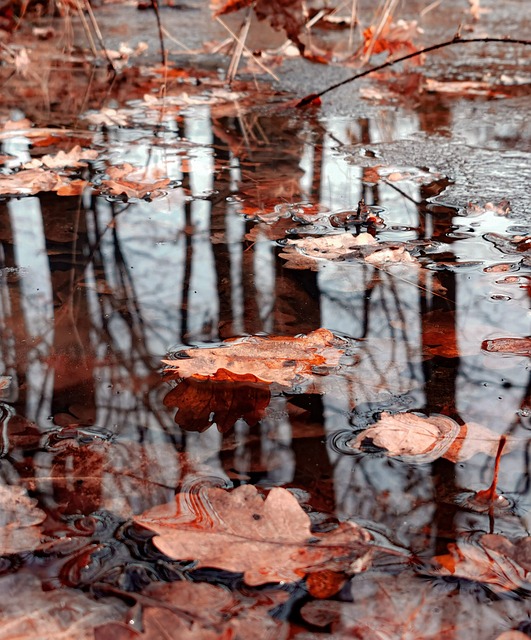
<point x="284" y="361"/>
<point x="267" y="540"/>
<point x="508" y="346"/>
<point x="308" y="253"/>
<point x="419" y="439"/>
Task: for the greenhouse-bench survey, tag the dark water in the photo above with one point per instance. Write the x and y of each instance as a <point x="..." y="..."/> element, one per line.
<point x="96" y="290"/>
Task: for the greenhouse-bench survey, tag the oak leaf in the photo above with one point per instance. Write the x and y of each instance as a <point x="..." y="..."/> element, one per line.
<point x="267" y="540"/>
<point x="76" y="157"/>
<point x="284" y="361"/>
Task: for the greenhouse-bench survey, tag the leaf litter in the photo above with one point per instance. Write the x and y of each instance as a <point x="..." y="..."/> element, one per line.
<point x="221" y="397"/>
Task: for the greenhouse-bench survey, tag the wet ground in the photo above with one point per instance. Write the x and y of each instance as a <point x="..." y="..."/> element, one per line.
<point x="96" y="290"/>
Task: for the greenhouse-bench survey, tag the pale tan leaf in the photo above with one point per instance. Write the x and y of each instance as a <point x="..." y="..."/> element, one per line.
<point x="420" y="439"/>
<point x="267" y="540"/>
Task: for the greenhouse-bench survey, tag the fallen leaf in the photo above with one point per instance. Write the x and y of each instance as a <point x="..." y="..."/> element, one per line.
<point x="27" y="612"/>
<point x="410" y="607"/>
<point x="73" y="158"/>
<point x="420" y="439"/>
<point x="223" y="400"/>
<point x="267" y="540"/>
<point x="394" y="37"/>
<point x="194" y="610"/>
<point x="464" y="87"/>
<point x="30" y="182"/>
<point x="508" y="346"/>
<point x="288" y="15"/>
<point x="481" y="564"/>
<point x="19" y="517"/>
<point x="284" y="361"/>
<point x="309" y="253"/>
<point x="131" y="182"/>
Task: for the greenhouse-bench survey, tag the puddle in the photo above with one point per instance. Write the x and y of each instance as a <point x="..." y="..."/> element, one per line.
<point x="97" y="289"/>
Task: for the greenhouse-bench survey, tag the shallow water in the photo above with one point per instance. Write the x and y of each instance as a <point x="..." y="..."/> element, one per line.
<point x="97" y="290"/>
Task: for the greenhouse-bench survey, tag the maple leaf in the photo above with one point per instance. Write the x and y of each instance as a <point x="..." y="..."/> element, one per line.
<point x="267" y="540"/>
<point x="202" y="402"/>
<point x="284" y="361"/>
<point x="19" y="517"/>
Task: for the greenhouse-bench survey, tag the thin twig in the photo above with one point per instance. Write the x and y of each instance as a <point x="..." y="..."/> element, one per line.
<point x="155" y="5"/>
<point x="441" y="45"/>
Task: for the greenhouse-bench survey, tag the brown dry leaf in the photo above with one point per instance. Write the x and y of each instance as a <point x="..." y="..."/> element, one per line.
<point x="27" y="612"/>
<point x="201" y="611"/>
<point x="30" y="182"/>
<point x="267" y="540"/>
<point x="224" y="400"/>
<point x="131" y="182"/>
<point x="395" y="37"/>
<point x="508" y="346"/>
<point x="19" y="517"/>
<point x="73" y="158"/>
<point x="409" y="436"/>
<point x="284" y="361"/>
<point x="464" y="87"/>
<point x="288" y="15"/>
<point x="308" y="253"/>
<point x="482" y="564"/>
<point x="419" y="439"/>
<point x="73" y="188"/>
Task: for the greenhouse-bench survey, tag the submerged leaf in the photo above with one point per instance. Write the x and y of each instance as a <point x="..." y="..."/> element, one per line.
<point x="482" y="564"/>
<point x="267" y="540"/>
<point x="19" y="517"/>
<point x="27" y="612"/>
<point x="388" y="607"/>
